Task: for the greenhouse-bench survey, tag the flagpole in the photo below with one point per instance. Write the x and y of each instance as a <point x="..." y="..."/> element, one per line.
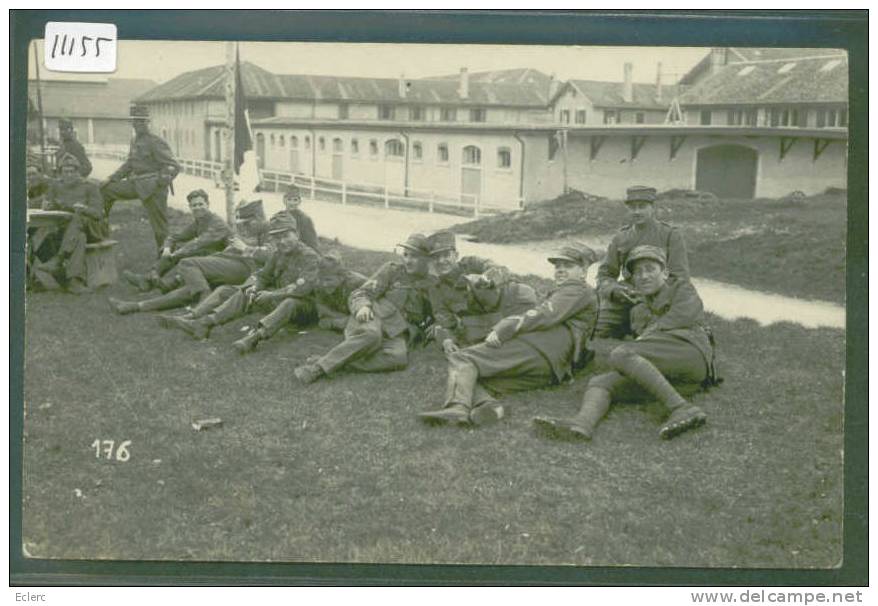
<point x="40" y="111"/>
<point x="229" y="132"/>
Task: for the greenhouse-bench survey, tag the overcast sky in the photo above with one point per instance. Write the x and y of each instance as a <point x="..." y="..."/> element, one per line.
<point x="161" y="61"/>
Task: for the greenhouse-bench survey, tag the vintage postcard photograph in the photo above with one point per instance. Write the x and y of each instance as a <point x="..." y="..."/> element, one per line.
<point x="437" y="304"/>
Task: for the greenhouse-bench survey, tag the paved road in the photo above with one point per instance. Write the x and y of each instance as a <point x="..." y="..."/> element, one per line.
<point x="373" y="228"/>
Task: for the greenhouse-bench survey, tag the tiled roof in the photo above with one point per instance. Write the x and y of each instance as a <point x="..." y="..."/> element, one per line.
<point x="72" y="99"/>
<point x="259" y="83"/>
<point x="609" y="94"/>
<point x="523" y="76"/>
<point x="768" y="81"/>
<point x="739" y="55"/>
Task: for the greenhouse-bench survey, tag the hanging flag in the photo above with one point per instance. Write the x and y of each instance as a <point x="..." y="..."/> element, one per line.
<point x="243" y="140"/>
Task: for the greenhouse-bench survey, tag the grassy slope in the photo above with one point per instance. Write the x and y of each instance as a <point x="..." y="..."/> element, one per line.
<point x="343" y="471"/>
<point x="795" y="249"/>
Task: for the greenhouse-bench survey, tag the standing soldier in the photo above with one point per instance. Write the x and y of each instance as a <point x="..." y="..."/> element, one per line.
<point x="69" y="145"/>
<point x="470" y="294"/>
<point x="146" y="174"/>
<point x="72" y="193"/>
<point x="617" y="295"/>
<point x="527" y="351"/>
<point x="673" y="347"/>
<point x="387" y="313"/>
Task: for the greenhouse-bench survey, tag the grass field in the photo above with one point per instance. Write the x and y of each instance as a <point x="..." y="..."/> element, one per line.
<point x="343" y="471"/>
<point x="794" y="248"/>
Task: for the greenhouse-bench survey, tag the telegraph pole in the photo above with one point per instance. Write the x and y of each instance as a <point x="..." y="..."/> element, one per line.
<point x="229" y="135"/>
<point x="40" y="110"/>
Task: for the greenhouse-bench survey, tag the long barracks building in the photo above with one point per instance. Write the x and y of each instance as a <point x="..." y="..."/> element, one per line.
<point x="742" y="123"/>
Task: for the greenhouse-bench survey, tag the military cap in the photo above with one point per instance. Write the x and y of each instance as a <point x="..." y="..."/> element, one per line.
<point x="139" y="112"/>
<point x="281" y="223"/>
<point x="69" y="160"/>
<point x="250" y="210"/>
<point x="197" y="193"/>
<point x="292" y="190"/>
<point x="646" y="251"/>
<point x="641" y="193"/>
<point x="418" y="243"/>
<point x="442" y="241"/>
<point x="65" y="123"/>
<point x="575" y="253"/>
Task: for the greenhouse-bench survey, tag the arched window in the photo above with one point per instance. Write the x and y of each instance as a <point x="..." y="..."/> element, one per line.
<point x="504" y="157"/>
<point x="442" y="152"/>
<point x="394" y="147"/>
<point x="307" y="142"/>
<point x="337" y="145"/>
<point x="373" y="147"/>
<point x="417" y="150"/>
<point x="294" y="141"/>
<point x="321" y="144"/>
<point x="472" y="155"/>
<point x="355" y="147"/>
<point x="282" y="142"/>
<point x="272" y="139"/>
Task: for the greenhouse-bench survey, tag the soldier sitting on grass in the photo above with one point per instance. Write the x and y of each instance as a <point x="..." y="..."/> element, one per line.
<point x="290" y="274"/>
<point x="205" y="235"/>
<point x="470" y="295"/>
<point x="527" y="351"/>
<point x="304" y="224"/>
<point x="193" y="278"/>
<point x="74" y="194"/>
<point x="672" y="347"/>
<point x="387" y="314"/>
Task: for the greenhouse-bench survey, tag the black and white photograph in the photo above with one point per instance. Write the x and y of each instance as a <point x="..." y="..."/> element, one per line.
<point x="419" y="303"/>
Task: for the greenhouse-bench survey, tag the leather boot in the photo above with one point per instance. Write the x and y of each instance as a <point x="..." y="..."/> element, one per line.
<point x="595" y="404"/>
<point x="248" y="343"/>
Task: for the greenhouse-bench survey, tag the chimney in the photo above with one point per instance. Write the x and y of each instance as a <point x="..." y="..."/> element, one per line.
<point x="403" y="88"/>
<point x="553" y="86"/>
<point x="718" y="58"/>
<point x="627" y="86"/>
<point x="658" y="81"/>
<point x="463" y="91"/>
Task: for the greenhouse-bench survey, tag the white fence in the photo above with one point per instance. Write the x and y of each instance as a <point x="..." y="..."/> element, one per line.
<point x="331" y="190"/>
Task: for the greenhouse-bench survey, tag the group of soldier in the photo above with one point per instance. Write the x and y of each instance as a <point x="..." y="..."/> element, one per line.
<point x="497" y="334"/>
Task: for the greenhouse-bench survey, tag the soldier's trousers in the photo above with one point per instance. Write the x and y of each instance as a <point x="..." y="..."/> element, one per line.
<point x="613" y="319"/>
<point x="477" y="372"/>
<point x="156" y="205"/>
<point x="367" y="349"/>
<point x="230" y="305"/>
<point x="192" y="280"/>
<point x="79" y="232"/>
<point x="658" y="366"/>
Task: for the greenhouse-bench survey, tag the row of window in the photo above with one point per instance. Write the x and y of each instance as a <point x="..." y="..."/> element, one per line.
<point x="418" y="113"/>
<point x="780" y="116"/>
<point x="393" y="148"/>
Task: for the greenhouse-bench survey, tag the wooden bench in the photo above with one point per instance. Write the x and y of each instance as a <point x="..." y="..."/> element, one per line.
<point x="100" y="263"/>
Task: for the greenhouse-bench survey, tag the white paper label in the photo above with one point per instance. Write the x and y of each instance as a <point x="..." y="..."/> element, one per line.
<point x="80" y="47"/>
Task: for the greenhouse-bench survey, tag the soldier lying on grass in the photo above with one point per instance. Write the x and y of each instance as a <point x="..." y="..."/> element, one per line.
<point x="527" y="351"/>
<point x="470" y="295"/>
<point x="194" y="277"/>
<point x="290" y="274"/>
<point x="672" y="347"/>
<point x="205" y="235"/>
<point x="388" y="313"/>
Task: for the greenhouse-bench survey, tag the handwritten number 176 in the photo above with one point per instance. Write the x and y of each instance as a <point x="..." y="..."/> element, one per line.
<point x="66" y="49"/>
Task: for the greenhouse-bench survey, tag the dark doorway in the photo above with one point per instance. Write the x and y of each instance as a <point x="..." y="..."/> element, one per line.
<point x="728" y="171"/>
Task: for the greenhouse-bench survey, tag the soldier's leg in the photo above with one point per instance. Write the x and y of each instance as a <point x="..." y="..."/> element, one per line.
<point x="595" y="404"/>
<point x="329" y="319"/>
<point x="292" y="309"/>
<point x="217" y="297"/>
<point x="117" y="190"/>
<point x="613" y="319"/>
<point x="73" y="249"/>
<point x="171" y="300"/>
<point x="233" y="307"/>
<point x="360" y="340"/>
<point x="156" y="206"/>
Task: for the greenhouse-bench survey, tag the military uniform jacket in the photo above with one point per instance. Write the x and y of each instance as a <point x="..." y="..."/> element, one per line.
<point x="657" y="233"/>
<point x="204" y="236"/>
<point x="62" y="196"/>
<point x="150" y="164"/>
<point x="398" y="298"/>
<point x="293" y="273"/>
<point x="257" y="250"/>
<point x="675" y="310"/>
<point x="558" y="327"/>
<point x="335" y="287"/>
<point x="74" y="148"/>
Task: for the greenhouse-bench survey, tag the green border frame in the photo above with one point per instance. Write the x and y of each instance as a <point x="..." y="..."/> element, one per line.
<point x="831" y="29"/>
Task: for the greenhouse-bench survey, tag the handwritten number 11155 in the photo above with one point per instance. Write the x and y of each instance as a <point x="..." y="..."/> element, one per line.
<point x="66" y="45"/>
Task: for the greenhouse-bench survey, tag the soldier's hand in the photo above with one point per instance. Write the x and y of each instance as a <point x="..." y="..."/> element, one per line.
<point x="623" y="294"/>
<point x="263" y="297"/>
<point x="493" y="340"/>
<point x="237" y="243"/>
<point x="364" y="314"/>
<point x="477" y="280"/>
<point x="449" y="346"/>
<point x="496" y="276"/>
